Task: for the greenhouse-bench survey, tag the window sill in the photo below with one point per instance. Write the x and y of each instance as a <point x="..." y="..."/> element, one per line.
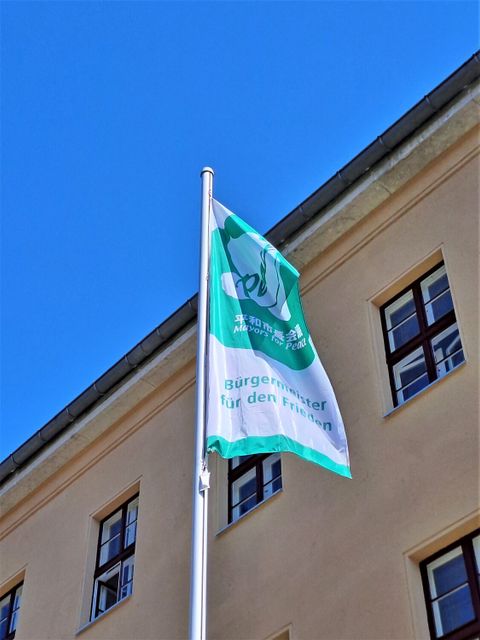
<point x="260" y="505"/>
<point x="90" y="623"/>
<point x="394" y="410"/>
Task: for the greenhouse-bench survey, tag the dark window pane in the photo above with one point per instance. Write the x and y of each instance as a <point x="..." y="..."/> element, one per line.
<point x="271" y="487"/>
<point x="435" y="284"/>
<point x="276" y="469"/>
<point x="457" y="358"/>
<point x="127" y="570"/>
<point x="115" y="528"/>
<point x="271" y="475"/>
<point x="446" y="365"/>
<point x="112" y="526"/>
<point x="247" y="505"/>
<point x="410" y="390"/>
<point x="109" y="550"/>
<point x="404" y="332"/>
<point x="17" y="598"/>
<point x="449" y="575"/>
<point x="4" y="607"/>
<point x="436" y="295"/>
<point x="108" y="595"/>
<point x="248" y="489"/>
<point x="399" y="310"/>
<point x="453" y="611"/>
<point x="130" y="534"/>
<point x="127" y="577"/>
<point x="277" y="483"/>
<point x="439" y="307"/>
<point x="238" y="460"/>
<point x="476" y="550"/>
<point x="245" y="486"/>
<point x="401" y="321"/>
<point x="244" y="493"/>
<point x="13" y="621"/>
<point x="415" y="371"/>
<point x="447" y="350"/>
<point x="126" y="590"/>
<point x="409" y="368"/>
<point x="132" y="511"/>
<point x="271" y="467"/>
<point x="243" y="507"/>
<point x="3" y="629"/>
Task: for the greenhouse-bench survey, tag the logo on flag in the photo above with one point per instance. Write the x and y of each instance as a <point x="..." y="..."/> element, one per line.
<point x="267" y="389"/>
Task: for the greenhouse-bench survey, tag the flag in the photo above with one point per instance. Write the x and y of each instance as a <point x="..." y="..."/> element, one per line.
<point x="267" y="389"/>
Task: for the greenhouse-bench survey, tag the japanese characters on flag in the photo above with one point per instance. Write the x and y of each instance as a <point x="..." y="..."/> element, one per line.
<point x="267" y="389"/>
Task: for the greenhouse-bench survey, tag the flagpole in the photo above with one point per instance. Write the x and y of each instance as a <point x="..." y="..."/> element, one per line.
<point x="198" y="575"/>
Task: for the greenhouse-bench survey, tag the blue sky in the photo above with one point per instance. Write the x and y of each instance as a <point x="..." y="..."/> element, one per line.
<point x="109" y="112"/>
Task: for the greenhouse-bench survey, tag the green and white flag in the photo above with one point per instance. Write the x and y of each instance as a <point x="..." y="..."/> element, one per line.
<point x="267" y="389"/>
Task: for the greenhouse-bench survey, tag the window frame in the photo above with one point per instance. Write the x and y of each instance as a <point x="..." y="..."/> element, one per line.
<point x="11" y="593"/>
<point x="471" y="629"/>
<point x="424" y="337"/>
<point x="121" y="557"/>
<point x="235" y="473"/>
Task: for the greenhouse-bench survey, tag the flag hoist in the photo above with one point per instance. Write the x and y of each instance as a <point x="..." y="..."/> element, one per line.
<point x="262" y="387"/>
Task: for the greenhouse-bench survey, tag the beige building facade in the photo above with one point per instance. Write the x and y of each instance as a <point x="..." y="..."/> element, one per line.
<point x="389" y="278"/>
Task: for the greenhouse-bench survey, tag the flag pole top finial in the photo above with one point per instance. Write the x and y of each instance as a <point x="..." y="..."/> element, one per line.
<point x="207" y="169"/>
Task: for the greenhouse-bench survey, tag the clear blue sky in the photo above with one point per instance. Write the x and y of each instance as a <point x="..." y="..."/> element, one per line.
<point x="110" y="110"/>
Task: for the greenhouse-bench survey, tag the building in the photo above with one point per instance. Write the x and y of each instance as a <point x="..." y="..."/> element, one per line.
<point x="96" y="507"/>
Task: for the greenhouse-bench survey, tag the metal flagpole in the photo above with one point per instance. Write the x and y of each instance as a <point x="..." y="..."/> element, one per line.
<point x="198" y="574"/>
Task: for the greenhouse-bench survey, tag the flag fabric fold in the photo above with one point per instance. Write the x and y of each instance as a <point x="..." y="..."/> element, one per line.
<point x="267" y="389"/>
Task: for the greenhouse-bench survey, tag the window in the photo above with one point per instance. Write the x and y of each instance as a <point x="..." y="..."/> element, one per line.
<point x="451" y="586"/>
<point x="115" y="558"/>
<point x="252" y="479"/>
<point x="422" y="340"/>
<point x="9" y="608"/>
